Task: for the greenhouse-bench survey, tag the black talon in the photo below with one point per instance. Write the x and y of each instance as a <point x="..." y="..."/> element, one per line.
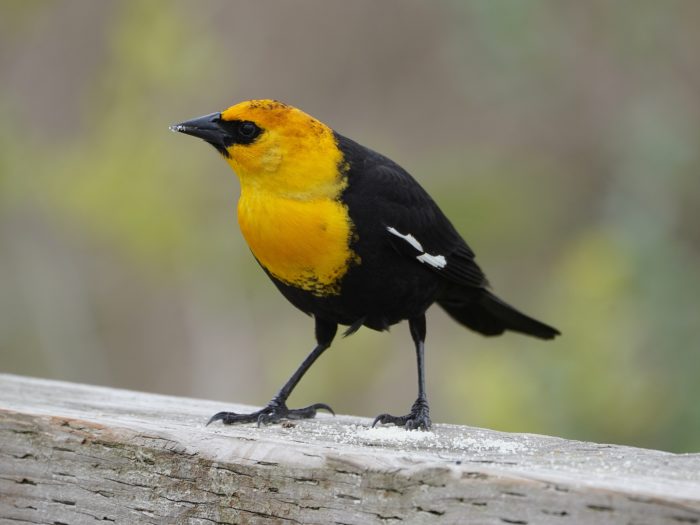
<point x="215" y="417"/>
<point x="263" y="419"/>
<point x="418" y="418"/>
<point x="319" y="406"/>
<point x="229" y="418"/>
<point x="274" y="412"/>
<point x="381" y="418"/>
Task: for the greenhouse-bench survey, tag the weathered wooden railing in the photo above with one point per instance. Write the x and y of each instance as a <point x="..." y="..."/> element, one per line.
<point x="76" y="454"/>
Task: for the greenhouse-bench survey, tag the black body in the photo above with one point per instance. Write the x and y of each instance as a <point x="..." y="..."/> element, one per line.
<point x="390" y="285"/>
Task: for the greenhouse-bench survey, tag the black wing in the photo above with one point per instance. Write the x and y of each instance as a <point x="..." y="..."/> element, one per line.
<point x="408" y="218"/>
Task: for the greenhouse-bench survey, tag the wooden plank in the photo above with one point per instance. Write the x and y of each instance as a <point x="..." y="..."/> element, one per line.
<point x="77" y="454"/>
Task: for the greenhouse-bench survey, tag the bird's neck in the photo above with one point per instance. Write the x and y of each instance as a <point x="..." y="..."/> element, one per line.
<point x="307" y="168"/>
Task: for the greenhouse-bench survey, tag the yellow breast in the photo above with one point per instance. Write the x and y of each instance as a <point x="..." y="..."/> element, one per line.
<point x="303" y="243"/>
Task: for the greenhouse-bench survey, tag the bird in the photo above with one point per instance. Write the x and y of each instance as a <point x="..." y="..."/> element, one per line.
<point x="350" y="238"/>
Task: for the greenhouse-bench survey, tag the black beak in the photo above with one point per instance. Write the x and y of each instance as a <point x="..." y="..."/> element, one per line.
<point x="207" y="128"/>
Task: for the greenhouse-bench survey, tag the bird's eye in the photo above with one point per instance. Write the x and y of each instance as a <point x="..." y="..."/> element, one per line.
<point x="248" y="129"/>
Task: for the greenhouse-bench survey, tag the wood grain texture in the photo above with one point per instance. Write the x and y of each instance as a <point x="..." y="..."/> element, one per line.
<point x="76" y="454"/>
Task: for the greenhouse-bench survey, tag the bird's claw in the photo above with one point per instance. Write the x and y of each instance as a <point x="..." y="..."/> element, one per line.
<point x="274" y="412"/>
<point x="418" y="418"/>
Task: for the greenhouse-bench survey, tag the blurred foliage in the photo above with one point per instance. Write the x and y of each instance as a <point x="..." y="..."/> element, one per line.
<point x="562" y="138"/>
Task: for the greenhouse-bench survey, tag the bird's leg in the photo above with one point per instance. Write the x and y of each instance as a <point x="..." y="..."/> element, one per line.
<point x="419" y="417"/>
<point x="276" y="409"/>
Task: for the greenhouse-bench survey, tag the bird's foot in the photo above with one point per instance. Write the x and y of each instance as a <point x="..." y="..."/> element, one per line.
<point x="418" y="418"/>
<point x="274" y="412"/>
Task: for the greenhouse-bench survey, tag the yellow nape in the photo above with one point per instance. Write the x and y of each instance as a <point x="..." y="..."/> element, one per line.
<point x="290" y="210"/>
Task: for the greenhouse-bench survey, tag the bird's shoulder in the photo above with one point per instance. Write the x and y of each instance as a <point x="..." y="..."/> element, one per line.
<point x="384" y="194"/>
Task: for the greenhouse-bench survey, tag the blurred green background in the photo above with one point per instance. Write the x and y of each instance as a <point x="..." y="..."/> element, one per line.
<point x="562" y="138"/>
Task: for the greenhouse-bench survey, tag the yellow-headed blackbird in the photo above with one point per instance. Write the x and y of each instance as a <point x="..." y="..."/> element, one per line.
<point x="348" y="237"/>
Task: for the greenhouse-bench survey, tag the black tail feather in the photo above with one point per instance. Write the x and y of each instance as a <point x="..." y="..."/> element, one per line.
<point x="487" y="314"/>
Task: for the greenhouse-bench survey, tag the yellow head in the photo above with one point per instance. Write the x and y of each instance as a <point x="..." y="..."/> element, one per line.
<point x="275" y="148"/>
<point x="292" y="175"/>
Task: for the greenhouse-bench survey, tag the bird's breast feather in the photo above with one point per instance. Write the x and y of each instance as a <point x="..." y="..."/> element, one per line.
<point x="305" y="244"/>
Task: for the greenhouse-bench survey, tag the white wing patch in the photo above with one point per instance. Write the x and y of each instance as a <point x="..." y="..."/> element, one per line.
<point x="410" y="239"/>
<point x="436" y="261"/>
